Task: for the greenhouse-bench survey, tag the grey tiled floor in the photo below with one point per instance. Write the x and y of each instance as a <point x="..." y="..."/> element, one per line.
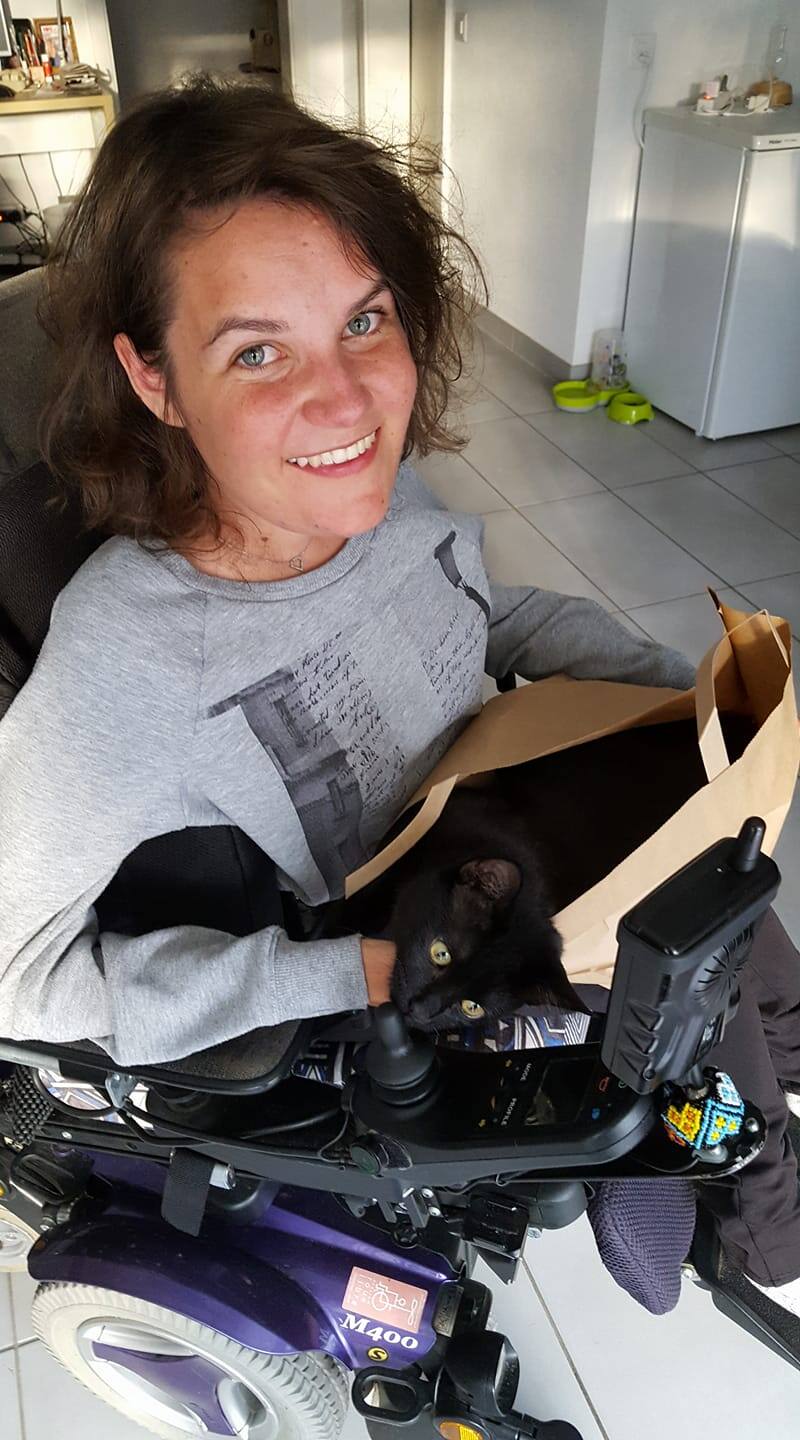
<point x="640" y="520"/>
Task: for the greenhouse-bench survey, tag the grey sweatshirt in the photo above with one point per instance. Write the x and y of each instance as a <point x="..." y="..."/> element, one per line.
<point x="304" y="711"/>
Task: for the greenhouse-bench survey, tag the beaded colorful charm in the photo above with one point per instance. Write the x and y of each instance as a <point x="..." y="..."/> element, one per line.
<point x="703" y="1122"/>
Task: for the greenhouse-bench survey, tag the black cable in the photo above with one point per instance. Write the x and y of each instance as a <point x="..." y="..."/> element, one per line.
<point x="14" y="196"/>
<point x="134" y="1114"/>
<point x="291" y="1125"/>
<point x="321" y="1152"/>
<point x="33" y="192"/>
<point x="22" y="225"/>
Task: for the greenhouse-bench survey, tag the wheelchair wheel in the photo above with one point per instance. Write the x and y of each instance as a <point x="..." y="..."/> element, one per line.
<point x="178" y="1378"/>
<point x="16" y="1238"/>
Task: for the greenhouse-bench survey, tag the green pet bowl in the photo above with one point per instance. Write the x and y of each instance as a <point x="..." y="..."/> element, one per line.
<point x="580" y="396"/>
<point x="628" y="408"/>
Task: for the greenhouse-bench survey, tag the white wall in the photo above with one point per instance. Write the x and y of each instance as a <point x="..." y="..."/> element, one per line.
<point x="520" y="105"/>
<point x="695" y="40"/>
<point x="538" y="128"/>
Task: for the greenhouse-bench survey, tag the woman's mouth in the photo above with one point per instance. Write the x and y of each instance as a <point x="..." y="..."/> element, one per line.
<point x="347" y="461"/>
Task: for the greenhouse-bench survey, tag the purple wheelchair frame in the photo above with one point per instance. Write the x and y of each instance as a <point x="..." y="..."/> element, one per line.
<point x="276" y="1283"/>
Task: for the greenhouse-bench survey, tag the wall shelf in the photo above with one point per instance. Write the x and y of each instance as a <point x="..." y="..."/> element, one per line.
<point x="43" y="104"/>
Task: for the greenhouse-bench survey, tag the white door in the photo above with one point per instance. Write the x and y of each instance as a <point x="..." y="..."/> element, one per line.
<point x="756" y="383"/>
<point x="352" y="59"/>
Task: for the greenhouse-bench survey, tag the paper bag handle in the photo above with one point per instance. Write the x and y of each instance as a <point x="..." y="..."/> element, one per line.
<point x="713" y="750"/>
<point x="425" y="818"/>
<point x="711" y="740"/>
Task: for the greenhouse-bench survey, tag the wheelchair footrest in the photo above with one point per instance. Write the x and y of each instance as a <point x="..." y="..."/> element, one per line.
<point x="742" y="1302"/>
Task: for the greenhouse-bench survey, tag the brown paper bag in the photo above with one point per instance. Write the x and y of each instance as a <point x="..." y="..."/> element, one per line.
<point x="749" y="672"/>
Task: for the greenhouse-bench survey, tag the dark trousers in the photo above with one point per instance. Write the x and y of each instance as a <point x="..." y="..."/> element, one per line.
<point x="758" y="1210"/>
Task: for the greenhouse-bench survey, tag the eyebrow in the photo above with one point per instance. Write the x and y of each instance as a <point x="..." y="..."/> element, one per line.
<point x="279" y="327"/>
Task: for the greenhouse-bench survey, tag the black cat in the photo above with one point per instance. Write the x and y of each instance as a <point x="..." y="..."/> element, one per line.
<point x="469" y="906"/>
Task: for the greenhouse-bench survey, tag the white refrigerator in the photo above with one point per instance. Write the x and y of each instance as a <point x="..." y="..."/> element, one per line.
<point x="713" y="313"/>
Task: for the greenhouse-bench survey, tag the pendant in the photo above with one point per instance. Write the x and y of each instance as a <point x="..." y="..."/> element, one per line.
<point x="296" y="562"/>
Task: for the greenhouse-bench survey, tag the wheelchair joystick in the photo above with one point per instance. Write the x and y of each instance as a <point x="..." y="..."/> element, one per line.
<point x="402" y="1067"/>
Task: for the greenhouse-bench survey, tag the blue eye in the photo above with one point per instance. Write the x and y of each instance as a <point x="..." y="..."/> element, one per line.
<point x="257" y="351"/>
<point x="365" y="315"/>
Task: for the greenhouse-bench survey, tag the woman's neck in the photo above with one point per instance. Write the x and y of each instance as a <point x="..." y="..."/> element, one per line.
<point x="231" y="559"/>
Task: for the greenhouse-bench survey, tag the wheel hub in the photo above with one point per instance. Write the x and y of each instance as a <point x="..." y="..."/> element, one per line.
<point x="177" y="1383"/>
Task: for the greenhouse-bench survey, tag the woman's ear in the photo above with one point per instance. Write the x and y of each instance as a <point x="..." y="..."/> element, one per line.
<point x="147" y="380"/>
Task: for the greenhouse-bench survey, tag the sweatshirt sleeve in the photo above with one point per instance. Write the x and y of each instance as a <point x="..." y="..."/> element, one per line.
<point x="536" y="633"/>
<point x="91" y="762"/>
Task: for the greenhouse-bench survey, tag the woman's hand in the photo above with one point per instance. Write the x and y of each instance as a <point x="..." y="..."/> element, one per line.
<point x="379" y="958"/>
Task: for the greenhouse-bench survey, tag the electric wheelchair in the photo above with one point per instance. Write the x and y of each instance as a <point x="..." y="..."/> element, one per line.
<point x="224" y="1248"/>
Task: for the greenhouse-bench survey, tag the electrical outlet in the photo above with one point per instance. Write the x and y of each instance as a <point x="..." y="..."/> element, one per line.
<point x="462" y="17"/>
<point x="643" y="51"/>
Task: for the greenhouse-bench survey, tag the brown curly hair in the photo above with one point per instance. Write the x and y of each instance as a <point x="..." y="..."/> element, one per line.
<point x="202" y="144"/>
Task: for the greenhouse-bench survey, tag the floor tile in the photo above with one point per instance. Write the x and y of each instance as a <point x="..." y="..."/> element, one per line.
<point x="690" y="624"/>
<point x="513" y="381"/>
<point x="9" y="1400"/>
<point x="516" y="554"/>
<point x="56" y="1406"/>
<point x="716" y="528"/>
<point x="787" y="858"/>
<point x="787" y="438"/>
<point x="7" y="1336"/>
<point x="548" y="1388"/>
<point x="624" y="555"/>
<point x="708" y="454"/>
<point x="770" y="486"/>
<point x="524" y="466"/>
<point x="616" y="454"/>
<point x="781" y="596"/>
<point x="23" y="1289"/>
<point x="457" y="485"/>
<point x="475" y="403"/>
<point x="643" y="1372"/>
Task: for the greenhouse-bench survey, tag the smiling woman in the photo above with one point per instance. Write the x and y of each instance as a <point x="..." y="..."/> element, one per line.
<point x="275" y="423"/>
<point x="303" y="301"/>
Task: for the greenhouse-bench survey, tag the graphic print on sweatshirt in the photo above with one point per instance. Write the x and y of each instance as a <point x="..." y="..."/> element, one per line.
<point x="320" y="723"/>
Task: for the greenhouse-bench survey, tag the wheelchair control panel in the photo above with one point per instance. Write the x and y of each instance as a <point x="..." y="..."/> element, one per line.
<point x="535" y="1108"/>
<point x="675" y="988"/>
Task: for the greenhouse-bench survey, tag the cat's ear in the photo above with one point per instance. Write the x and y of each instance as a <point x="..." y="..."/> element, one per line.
<point x="497" y="880"/>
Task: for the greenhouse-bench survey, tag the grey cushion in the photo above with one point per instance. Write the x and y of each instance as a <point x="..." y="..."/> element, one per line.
<point x="25" y="365"/>
<point x="245" y="1057"/>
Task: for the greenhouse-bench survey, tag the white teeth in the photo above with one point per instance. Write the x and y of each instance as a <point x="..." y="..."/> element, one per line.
<point x="336" y="457"/>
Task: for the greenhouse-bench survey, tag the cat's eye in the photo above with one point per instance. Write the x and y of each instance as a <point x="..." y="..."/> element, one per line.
<point x="472" y="1009"/>
<point x="439" y="953"/>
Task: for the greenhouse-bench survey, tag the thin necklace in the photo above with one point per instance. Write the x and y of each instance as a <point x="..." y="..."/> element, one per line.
<point x="295" y="562"/>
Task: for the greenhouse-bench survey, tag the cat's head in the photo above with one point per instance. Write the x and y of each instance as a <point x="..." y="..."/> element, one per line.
<point x="474" y="944"/>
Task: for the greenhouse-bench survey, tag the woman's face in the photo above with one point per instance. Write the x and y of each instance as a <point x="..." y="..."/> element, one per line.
<point x="279" y="352"/>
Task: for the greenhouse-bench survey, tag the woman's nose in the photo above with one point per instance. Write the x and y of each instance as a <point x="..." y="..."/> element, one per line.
<point x="338" y="399"/>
